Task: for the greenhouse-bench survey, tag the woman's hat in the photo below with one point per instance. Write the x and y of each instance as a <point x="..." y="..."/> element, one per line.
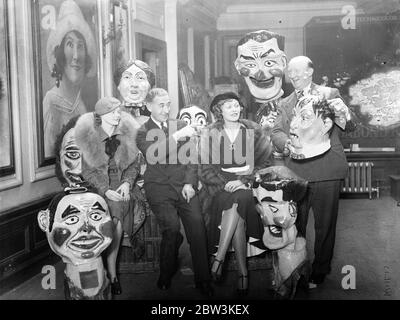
<point x="106" y="105"/>
<point x="222" y="97"/>
<point x="71" y="18"/>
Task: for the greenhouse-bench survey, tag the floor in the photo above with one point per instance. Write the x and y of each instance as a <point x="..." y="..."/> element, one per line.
<point x="366" y="244"/>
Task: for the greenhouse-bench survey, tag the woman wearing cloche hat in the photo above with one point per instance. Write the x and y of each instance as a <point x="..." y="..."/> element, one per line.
<point x="109" y="164"/>
<point x="71" y="57"/>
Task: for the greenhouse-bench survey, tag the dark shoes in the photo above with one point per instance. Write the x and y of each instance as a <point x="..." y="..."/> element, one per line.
<point x="216" y="270"/>
<point x="116" y="287"/>
<point x="163" y="284"/>
<point x="243" y="286"/>
<point x="205" y="288"/>
<point x="315" y="280"/>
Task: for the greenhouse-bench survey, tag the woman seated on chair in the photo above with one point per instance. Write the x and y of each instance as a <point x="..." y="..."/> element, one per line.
<point x="227" y="178"/>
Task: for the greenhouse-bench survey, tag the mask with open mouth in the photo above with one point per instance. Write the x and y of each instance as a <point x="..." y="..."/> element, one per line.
<point x="261" y="62"/>
<point x="276" y="191"/>
<point x="310" y="127"/>
<point x="78" y="226"/>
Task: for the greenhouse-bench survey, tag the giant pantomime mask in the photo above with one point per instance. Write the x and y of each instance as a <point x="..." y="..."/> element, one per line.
<point x="68" y="157"/>
<point x="193" y="115"/>
<point x="261" y="61"/>
<point x="277" y="190"/>
<point x="310" y="128"/>
<point x="134" y="80"/>
<point x="79" y="228"/>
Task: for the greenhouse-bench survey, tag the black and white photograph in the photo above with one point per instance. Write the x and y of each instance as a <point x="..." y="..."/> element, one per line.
<point x="185" y="153"/>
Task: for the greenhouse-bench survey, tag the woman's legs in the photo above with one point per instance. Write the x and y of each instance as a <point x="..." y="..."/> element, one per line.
<point x="112" y="251"/>
<point x="229" y="222"/>
<point x="240" y="245"/>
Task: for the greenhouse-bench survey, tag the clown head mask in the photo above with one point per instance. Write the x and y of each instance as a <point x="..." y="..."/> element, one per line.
<point x="68" y="157"/>
<point x="261" y="61"/>
<point x="310" y="127"/>
<point x="276" y="191"/>
<point x="193" y="115"/>
<point x="78" y="226"/>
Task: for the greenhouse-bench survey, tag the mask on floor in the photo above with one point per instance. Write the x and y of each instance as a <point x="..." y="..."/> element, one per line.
<point x="79" y="228"/>
<point x="277" y="190"/>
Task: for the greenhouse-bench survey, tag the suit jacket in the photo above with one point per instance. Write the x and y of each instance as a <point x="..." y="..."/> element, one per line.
<point x="162" y="172"/>
<point x="331" y="165"/>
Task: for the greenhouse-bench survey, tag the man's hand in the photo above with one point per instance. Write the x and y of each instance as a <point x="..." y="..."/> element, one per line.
<point x="232" y="186"/>
<point x="187" y="131"/>
<point x="123" y="190"/>
<point x="288" y="148"/>
<point x="188" y="192"/>
<point x="113" y="195"/>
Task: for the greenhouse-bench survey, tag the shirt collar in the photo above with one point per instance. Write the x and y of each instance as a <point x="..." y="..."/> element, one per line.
<point x="104" y="135"/>
<point x="306" y="90"/>
<point x="158" y="123"/>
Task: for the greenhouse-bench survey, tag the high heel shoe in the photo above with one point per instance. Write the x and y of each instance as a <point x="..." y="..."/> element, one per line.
<point x="116" y="287"/>
<point x="216" y="273"/>
<point x="243" y="286"/>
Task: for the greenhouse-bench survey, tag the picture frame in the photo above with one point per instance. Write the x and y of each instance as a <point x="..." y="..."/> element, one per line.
<point x="66" y="80"/>
<point x="7" y="155"/>
<point x="120" y="46"/>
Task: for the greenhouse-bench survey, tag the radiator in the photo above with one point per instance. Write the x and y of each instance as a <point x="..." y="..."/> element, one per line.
<point x="359" y="179"/>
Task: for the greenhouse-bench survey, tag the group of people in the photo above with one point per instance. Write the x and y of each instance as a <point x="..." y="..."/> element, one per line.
<point x="107" y="149"/>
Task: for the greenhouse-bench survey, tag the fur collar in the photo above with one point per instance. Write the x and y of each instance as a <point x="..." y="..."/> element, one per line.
<point x="93" y="149"/>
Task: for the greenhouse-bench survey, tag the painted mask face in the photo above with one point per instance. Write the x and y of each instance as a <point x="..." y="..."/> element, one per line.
<point x="134" y="85"/>
<point x="273" y="209"/>
<point x="262" y="64"/>
<point x="309" y="133"/>
<point x="75" y="57"/>
<point x="82" y="227"/>
<point x="193" y="115"/>
<point x="71" y="159"/>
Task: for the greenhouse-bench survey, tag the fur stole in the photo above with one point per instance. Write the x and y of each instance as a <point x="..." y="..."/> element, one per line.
<point x="88" y="138"/>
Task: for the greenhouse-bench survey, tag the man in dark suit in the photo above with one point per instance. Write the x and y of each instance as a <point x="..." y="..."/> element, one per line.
<point x="171" y="190"/>
<point x="323" y="172"/>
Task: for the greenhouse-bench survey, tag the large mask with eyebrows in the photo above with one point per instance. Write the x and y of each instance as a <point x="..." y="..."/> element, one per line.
<point x="261" y="62"/>
<point x="193" y="116"/>
<point x="78" y="226"/>
<point x="276" y="191"/>
<point x="69" y="157"/>
<point x="310" y="127"/>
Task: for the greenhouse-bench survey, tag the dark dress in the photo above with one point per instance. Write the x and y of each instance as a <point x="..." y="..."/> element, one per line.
<point x="223" y="200"/>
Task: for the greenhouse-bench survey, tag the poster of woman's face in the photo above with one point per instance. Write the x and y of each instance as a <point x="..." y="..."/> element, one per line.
<point x="67" y="55"/>
<point x="6" y="138"/>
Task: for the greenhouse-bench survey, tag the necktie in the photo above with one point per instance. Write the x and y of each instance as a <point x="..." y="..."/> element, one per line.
<point x="300" y="94"/>
<point x="164" y="127"/>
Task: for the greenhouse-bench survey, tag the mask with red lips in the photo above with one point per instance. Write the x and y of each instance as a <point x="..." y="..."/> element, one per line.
<point x="78" y="226"/>
<point x="276" y="191"/>
<point x="261" y="62"/>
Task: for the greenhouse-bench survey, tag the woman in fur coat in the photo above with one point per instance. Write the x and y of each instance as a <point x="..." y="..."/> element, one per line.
<point x="109" y="164"/>
<point x="227" y="178"/>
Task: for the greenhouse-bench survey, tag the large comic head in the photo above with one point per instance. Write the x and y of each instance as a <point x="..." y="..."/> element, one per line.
<point x="193" y="115"/>
<point x="310" y="128"/>
<point x="78" y="226"/>
<point x="261" y="61"/>
<point x="68" y="156"/>
<point x="276" y="191"/>
<point x="134" y="80"/>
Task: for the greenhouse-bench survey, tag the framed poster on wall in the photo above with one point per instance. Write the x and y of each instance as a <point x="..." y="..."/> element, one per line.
<point x="66" y="55"/>
<point x="7" y="160"/>
<point x="364" y="64"/>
